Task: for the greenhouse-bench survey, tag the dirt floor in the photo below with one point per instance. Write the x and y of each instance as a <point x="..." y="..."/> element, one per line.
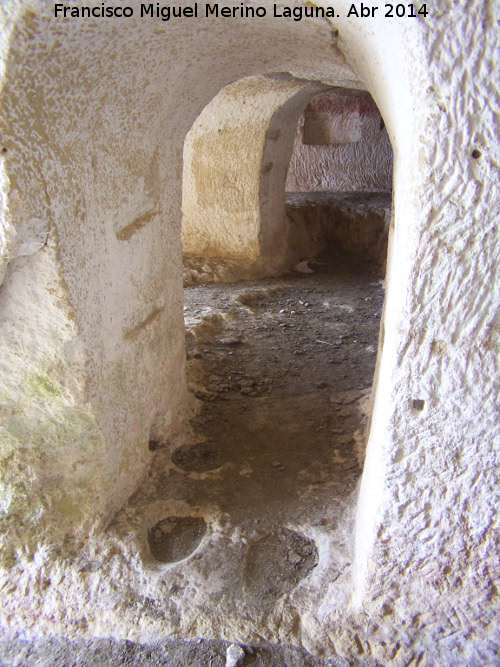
<point x="283" y="369"/>
<point x="108" y="653"/>
<point x="244" y="526"/>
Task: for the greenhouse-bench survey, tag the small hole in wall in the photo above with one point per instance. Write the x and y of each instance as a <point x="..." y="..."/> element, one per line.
<point x="5" y="150"/>
<point x="476" y="154"/>
<point x="154" y="445"/>
<point x="418" y="404"/>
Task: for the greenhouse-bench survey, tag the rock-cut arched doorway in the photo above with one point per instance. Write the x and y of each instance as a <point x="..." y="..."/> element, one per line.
<point x="287" y="187"/>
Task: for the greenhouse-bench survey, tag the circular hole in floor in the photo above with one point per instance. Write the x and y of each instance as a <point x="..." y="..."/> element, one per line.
<point x="174" y="538"/>
<point x="200" y="457"/>
<point x="277" y="562"/>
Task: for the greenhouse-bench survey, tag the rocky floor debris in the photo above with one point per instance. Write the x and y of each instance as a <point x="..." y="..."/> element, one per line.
<point x="110" y="653"/>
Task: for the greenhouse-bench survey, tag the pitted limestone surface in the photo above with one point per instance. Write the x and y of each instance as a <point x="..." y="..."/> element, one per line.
<point x="281" y="370"/>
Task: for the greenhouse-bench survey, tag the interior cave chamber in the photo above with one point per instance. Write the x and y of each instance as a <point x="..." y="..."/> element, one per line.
<point x="298" y="448"/>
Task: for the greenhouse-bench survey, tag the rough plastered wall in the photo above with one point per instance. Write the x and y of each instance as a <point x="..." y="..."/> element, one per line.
<point x="235" y="160"/>
<point x="341" y="145"/>
<point x="431" y="546"/>
<point x="91" y="319"/>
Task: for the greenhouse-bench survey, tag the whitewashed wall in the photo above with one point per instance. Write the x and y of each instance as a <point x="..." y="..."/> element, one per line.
<point x="94" y="119"/>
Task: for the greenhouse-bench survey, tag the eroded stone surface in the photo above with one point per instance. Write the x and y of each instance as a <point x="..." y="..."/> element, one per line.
<point x="94" y="140"/>
<point x="353" y="222"/>
<point x="235" y="162"/>
<point x="282" y="409"/>
<point x="341" y="145"/>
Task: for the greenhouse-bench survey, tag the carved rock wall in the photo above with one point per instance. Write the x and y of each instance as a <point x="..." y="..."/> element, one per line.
<point x="91" y="321"/>
<point x="341" y="145"/>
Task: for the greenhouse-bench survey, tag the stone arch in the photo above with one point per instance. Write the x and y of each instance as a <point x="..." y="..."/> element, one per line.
<point x="236" y="159"/>
<point x="94" y="187"/>
<point x="237" y="153"/>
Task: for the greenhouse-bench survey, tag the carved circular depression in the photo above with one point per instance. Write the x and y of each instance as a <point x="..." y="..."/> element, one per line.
<point x="201" y="457"/>
<point x="174" y="538"/>
<point x="277" y="562"/>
